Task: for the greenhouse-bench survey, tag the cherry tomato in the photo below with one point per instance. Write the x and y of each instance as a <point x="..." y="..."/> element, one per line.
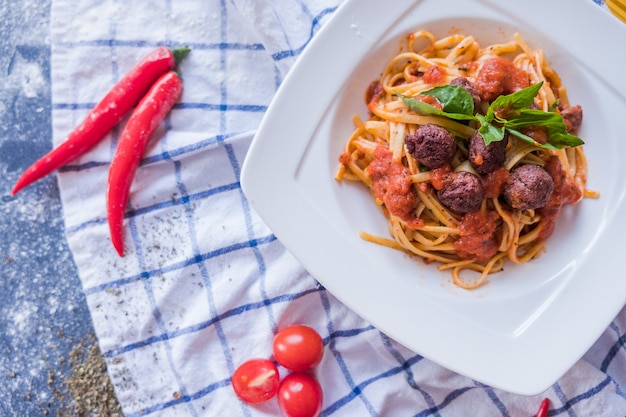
<point x="300" y="395"/>
<point x="256" y="380"/>
<point x="298" y="348"/>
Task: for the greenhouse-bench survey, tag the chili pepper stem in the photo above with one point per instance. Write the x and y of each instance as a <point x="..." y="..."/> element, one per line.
<point x="180" y="53"/>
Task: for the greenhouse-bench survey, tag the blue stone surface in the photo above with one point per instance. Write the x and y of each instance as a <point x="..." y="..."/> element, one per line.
<point x="43" y="312"/>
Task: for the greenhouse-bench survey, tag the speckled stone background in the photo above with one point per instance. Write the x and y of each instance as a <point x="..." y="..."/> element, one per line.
<point x="43" y="313"/>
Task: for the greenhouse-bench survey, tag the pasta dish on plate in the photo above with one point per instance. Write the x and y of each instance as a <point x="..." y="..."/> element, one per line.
<point x="470" y="151"/>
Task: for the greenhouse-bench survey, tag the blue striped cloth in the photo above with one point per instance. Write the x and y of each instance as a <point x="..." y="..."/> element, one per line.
<point x="204" y="284"/>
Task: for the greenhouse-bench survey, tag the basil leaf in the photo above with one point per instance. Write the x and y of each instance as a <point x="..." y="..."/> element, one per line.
<point x="489" y="132"/>
<point x="530" y="117"/>
<point x="510" y="113"/>
<point x="558" y="137"/>
<point x="518" y="100"/>
<point x="554" y="105"/>
<point x="426" y="109"/>
<point x="528" y="139"/>
<point x="561" y="139"/>
<point x="454" y="99"/>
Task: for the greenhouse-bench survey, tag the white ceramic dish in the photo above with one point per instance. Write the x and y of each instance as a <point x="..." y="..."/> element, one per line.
<point x="532" y="322"/>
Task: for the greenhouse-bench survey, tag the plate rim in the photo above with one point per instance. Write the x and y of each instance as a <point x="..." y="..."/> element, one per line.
<point x="256" y="161"/>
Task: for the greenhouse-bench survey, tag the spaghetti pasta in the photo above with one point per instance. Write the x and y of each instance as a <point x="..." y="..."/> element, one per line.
<point x="468" y="189"/>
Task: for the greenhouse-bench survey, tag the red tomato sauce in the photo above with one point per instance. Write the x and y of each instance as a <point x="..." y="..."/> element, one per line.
<point x="494" y="182"/>
<point x="434" y="75"/>
<point x="571" y="192"/>
<point x="499" y="76"/>
<point x="430" y="100"/>
<point x="478" y="239"/>
<point x="566" y="191"/>
<point x="345" y="158"/>
<point x="440" y="177"/>
<point x="393" y="186"/>
<point x="551" y="210"/>
<point x="537" y="133"/>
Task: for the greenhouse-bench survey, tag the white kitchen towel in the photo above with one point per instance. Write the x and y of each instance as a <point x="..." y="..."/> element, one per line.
<point x="204" y="284"/>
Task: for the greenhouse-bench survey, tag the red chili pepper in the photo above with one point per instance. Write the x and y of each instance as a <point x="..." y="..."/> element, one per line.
<point x="140" y="128"/>
<point x="106" y="114"/>
<point x="543" y="408"/>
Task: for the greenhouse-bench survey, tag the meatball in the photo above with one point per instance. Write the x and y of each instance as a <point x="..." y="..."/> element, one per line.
<point x="432" y="145"/>
<point x="469" y="87"/>
<point x="374" y="92"/>
<point x="572" y="117"/>
<point x="486" y="158"/>
<point x="528" y="187"/>
<point x="464" y="194"/>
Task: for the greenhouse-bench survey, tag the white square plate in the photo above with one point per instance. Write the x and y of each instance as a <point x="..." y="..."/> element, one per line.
<point x="531" y="322"/>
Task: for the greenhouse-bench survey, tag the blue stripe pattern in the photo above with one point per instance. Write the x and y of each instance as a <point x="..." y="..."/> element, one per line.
<point x="237" y="281"/>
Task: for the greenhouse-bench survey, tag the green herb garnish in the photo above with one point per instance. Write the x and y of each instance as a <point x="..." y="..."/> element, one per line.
<point x="453" y="99"/>
<point x="508" y="113"/>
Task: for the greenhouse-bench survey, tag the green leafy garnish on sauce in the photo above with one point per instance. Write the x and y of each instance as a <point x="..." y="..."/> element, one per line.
<point x="454" y="99"/>
<point x="511" y="104"/>
<point x="488" y="131"/>
<point x="454" y="102"/>
<point x="508" y="113"/>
